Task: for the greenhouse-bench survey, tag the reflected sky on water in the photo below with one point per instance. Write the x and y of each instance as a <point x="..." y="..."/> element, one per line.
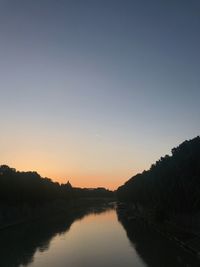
<point x="96" y="239"/>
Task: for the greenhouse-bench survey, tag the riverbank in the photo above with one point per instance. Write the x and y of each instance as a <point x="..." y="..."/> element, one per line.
<point x="11" y="215"/>
<point x="188" y="239"/>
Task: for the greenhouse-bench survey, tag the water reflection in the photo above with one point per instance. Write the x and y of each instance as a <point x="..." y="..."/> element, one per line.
<point x="98" y="239"/>
<point x="153" y="248"/>
<point x="20" y="243"/>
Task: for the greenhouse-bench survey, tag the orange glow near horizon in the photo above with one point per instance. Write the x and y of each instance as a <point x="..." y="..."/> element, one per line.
<point x="111" y="182"/>
<point x="87" y="162"/>
<point x="84" y="159"/>
<point x="86" y="172"/>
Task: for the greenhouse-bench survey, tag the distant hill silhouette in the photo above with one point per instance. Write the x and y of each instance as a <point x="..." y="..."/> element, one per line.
<point x="171" y="185"/>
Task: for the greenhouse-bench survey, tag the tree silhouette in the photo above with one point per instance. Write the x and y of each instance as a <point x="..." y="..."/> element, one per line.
<point x="171" y="185"/>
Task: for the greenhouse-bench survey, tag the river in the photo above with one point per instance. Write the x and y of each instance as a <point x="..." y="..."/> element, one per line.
<point x="97" y="238"/>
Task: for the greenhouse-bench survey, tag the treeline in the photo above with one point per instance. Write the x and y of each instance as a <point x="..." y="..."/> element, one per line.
<point x="171" y="185"/>
<point x="29" y="187"/>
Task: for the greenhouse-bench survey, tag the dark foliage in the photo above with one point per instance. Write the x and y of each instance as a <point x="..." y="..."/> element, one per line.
<point x="30" y="188"/>
<point x="171" y="185"/>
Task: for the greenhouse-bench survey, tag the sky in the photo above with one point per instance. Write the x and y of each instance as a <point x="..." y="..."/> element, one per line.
<point x="96" y="91"/>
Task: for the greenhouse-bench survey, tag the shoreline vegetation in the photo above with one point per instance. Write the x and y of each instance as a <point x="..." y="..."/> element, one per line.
<point x="26" y="196"/>
<point x="72" y="208"/>
<point x="167" y="196"/>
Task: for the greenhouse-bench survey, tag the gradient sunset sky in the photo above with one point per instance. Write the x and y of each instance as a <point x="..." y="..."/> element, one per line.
<point x="96" y="91"/>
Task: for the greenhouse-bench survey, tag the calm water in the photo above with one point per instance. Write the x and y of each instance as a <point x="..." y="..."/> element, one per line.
<point x="93" y="240"/>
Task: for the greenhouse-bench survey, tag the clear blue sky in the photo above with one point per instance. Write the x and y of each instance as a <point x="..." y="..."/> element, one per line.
<point x="96" y="91"/>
